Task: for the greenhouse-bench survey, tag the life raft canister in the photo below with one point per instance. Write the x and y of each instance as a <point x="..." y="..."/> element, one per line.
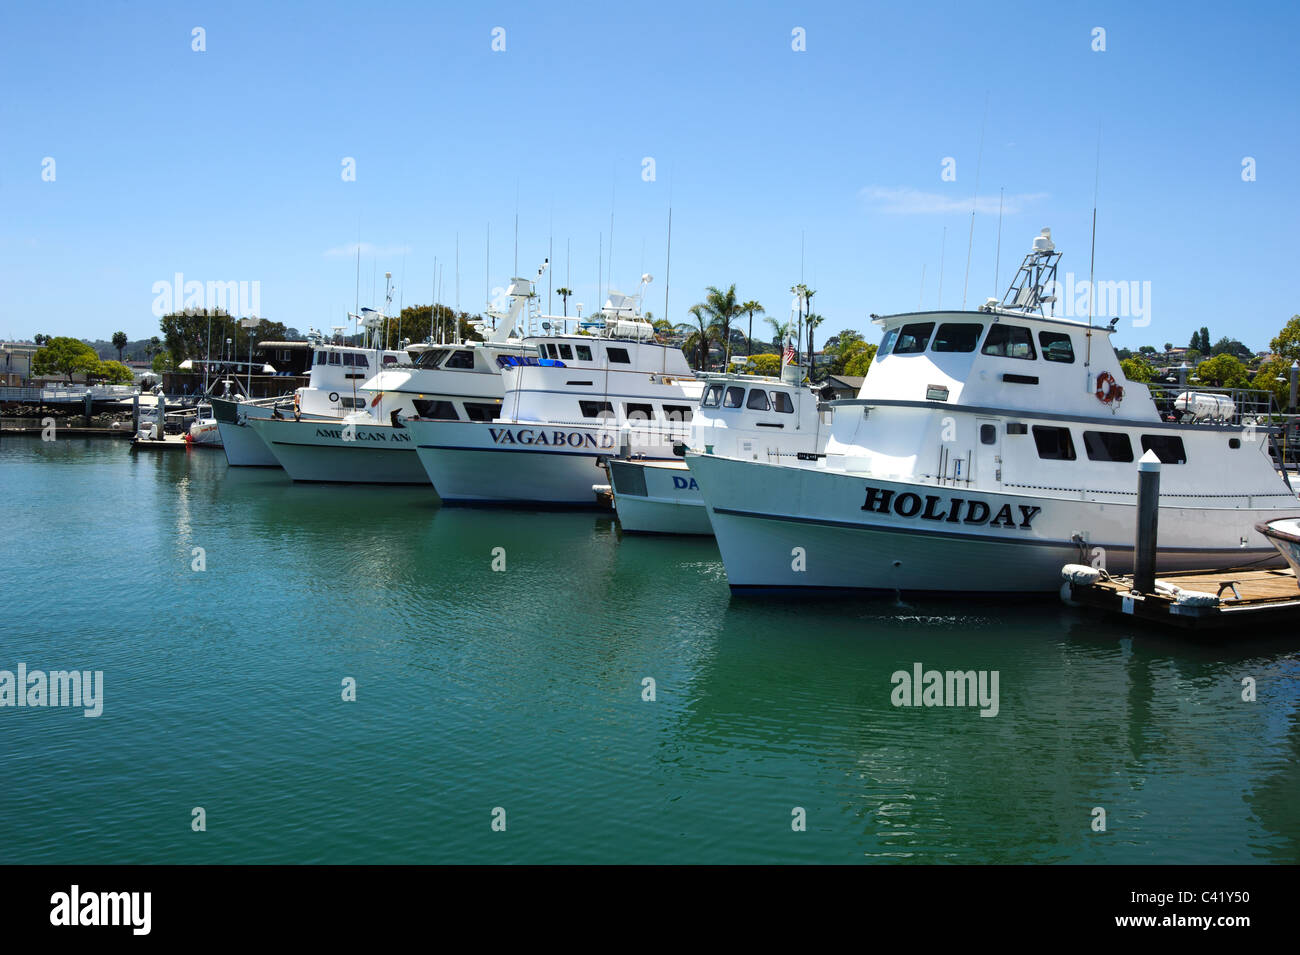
<point x="1108" y="389"/>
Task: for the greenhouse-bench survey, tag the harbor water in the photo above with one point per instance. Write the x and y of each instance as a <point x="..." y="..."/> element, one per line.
<point x="602" y="697"/>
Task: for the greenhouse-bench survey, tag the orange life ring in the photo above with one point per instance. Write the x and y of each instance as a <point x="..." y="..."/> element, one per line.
<point x="1107" y="388"/>
<point x="374" y="401"/>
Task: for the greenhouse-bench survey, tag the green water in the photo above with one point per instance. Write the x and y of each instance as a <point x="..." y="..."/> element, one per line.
<point x="522" y="689"/>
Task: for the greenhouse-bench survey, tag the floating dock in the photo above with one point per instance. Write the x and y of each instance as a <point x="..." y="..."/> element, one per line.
<point x="1203" y="600"/>
<point x="170" y="442"/>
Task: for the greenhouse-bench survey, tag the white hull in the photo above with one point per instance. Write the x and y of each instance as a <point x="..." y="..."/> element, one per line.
<point x="495" y="463"/>
<point x="243" y="447"/>
<point x="658" y="498"/>
<point x="784" y="527"/>
<point x="205" y="433"/>
<point x="342" y="453"/>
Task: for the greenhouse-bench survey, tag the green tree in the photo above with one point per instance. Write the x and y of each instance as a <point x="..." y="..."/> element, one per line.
<point x="1223" y="371"/>
<point x="781" y="332"/>
<point x="860" y="361"/>
<point x="185" y="334"/>
<point x="114" y="372"/>
<point x="697" y="339"/>
<point x="162" y="361"/>
<point x="1137" y="369"/>
<point x="1287" y="342"/>
<point x="64" y="356"/>
<point x="753" y="308"/>
<point x="805" y="296"/>
<point x="1230" y="346"/>
<point x="1274" y="376"/>
<point x="1147" y="350"/>
<point x="766" y="364"/>
<point x="720" y="310"/>
<point x="811" y="321"/>
<point x="119" y="342"/>
<point x="564" y="294"/>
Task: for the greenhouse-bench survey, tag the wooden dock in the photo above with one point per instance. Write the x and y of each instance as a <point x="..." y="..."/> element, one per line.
<point x="170" y="442"/>
<point x="1242" y="597"/>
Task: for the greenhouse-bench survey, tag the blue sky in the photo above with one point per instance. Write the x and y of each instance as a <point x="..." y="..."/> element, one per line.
<point x="225" y="165"/>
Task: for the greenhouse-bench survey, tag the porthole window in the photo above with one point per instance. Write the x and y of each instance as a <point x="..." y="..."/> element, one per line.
<point x="988" y="434"/>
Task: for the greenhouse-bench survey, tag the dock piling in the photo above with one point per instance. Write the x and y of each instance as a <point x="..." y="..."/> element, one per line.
<point x="1148" y="516"/>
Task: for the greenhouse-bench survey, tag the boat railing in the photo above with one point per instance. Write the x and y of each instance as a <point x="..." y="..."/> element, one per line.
<point x="1184" y="404"/>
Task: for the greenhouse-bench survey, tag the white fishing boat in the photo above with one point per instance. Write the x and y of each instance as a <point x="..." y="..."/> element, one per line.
<point x="610" y="389"/>
<point x="985" y="450"/>
<point x="742" y="416"/>
<point x="455" y="381"/>
<point x="1284" y="534"/>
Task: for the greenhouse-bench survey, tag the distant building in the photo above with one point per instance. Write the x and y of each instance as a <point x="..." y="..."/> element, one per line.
<point x="845" y="386"/>
<point x="16" y="363"/>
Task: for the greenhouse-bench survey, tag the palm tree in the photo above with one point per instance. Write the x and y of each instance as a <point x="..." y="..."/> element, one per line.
<point x="698" y="339"/>
<point x="119" y="342"/>
<point x="804" y="295"/>
<point x="721" y="307"/>
<point x="780" y="333"/>
<point x="812" y="321"/>
<point x="751" y="306"/>
<point x="564" y="293"/>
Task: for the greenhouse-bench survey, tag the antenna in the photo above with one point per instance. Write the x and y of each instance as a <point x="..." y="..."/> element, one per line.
<point x="1092" y="261"/>
<point x="921" y="298"/>
<point x="997" y="262"/>
<point x="943" y="243"/>
<point x="970" y="243"/>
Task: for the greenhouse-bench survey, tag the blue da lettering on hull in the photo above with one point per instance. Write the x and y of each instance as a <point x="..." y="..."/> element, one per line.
<point x="684" y="484"/>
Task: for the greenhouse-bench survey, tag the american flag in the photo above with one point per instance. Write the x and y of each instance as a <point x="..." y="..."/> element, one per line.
<point x="789" y="354"/>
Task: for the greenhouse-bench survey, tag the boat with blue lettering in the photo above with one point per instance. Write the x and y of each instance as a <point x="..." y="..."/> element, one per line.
<point x="986" y="449"/>
<point x="751" y="417"/>
<point x="610" y="389"/>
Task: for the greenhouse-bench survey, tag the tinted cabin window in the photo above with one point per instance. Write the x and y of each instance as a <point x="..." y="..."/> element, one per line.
<point x="988" y="434"/>
<point x="957" y="336"/>
<point x="444" y="410"/>
<point x="584" y="352"/>
<point x="1009" y="341"/>
<point x="460" y="359"/>
<point x="1107" y="445"/>
<point x="638" y="412"/>
<point x="618" y="355"/>
<point x="677" y="412"/>
<point x="887" y="343"/>
<point x="347" y="359"/>
<point x="479" y="411"/>
<point x="430" y="359"/>
<point x="712" y="397"/>
<point x="758" y="400"/>
<point x="550" y="351"/>
<point x="734" y="399"/>
<point x="390" y="360"/>
<point x="1057" y="347"/>
<point x="1054" y="444"/>
<point x="781" y="402"/>
<point x="322" y="358"/>
<point x="566" y="352"/>
<point x="595" y="409"/>
<point x="912" y="339"/>
<point x="1168" y="448"/>
<point x="334" y="358"/>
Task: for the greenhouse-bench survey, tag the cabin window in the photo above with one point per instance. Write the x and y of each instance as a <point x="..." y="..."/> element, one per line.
<point x="389" y="360"/>
<point x="322" y="358"/>
<point x="1054" y="444"/>
<point x="334" y="358"/>
<point x="781" y="402"/>
<point x="480" y="411"/>
<point x="712" y="397"/>
<point x="678" y="412"/>
<point x="1009" y="341"/>
<point x="460" y="359"/>
<point x="887" y="343"/>
<point x="957" y="336"/>
<point x="619" y="355"/>
<point x="912" y="339"/>
<point x="584" y="352"/>
<point x="1168" y="448"/>
<point x="1057" y="347"/>
<point x="988" y="434"/>
<point x="735" y="397"/>
<point x="430" y="358"/>
<point x="758" y="400"/>
<point x="548" y="351"/>
<point x="1107" y="445"/>
<point x="566" y="352"/>
<point x="348" y="359"/>
<point x="1234" y="443"/>
<point x="596" y="409"/>
<point x="443" y="410"/>
<point x="1017" y="427"/>
<point x="355" y="403"/>
<point x="638" y="412"/>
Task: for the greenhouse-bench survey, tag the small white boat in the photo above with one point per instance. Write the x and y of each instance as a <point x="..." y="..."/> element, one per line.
<point x="1284" y="534"/>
